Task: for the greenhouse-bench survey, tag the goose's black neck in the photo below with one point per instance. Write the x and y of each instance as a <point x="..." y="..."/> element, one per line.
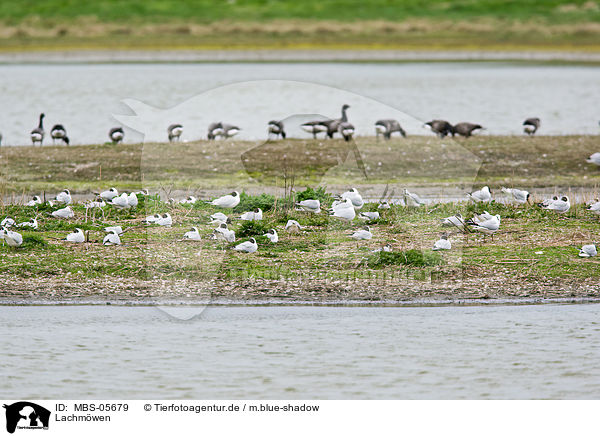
<point x="344" y="117"/>
<point x="41" y="124"/>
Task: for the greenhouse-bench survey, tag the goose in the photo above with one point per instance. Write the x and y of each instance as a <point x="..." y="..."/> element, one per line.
<point x="31" y="223"/>
<point x="276" y="128"/>
<point x="314" y="128"/>
<point x="588" y="251"/>
<point x="13" y="239"/>
<point x="248" y="247"/>
<point x="482" y="195"/>
<point x="454" y="221"/>
<point x="362" y="234"/>
<point x="228" y="201"/>
<point x="165" y="220"/>
<point x="387" y="127"/>
<point x="35" y="201"/>
<point x="412" y="200"/>
<point x="368" y="216"/>
<point x="59" y="132"/>
<point x="229" y="130"/>
<point x="192" y="235"/>
<point x="112" y="238"/>
<point x="465" y="129"/>
<point x="255" y="215"/>
<point x="519" y="195"/>
<point x="333" y="125"/>
<point x="223" y="233"/>
<point x="174" y="131"/>
<point x="0" y="138"/>
<point x="64" y="197"/>
<point x="346" y="130"/>
<point x="594" y="158"/>
<point x="65" y="212"/>
<point x="441" y="128"/>
<point x="354" y="197"/>
<point x="485" y="226"/>
<point x="109" y="194"/>
<point x="215" y="130"/>
<point x="293" y="226"/>
<point x="531" y="126"/>
<point x="343" y="210"/>
<point x="313" y="206"/>
<point x="77" y="236"/>
<point x="594" y="207"/>
<point x="116" y="135"/>
<point x="272" y="235"/>
<point x="37" y="134"/>
<point x="561" y="205"/>
<point x="7" y="222"/>
<point x="443" y="243"/>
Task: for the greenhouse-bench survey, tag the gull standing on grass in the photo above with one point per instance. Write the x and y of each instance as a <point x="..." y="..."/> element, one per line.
<point x="313" y="206"/>
<point x="354" y="197"/>
<point x="255" y="215"/>
<point x="519" y="195"/>
<point x="98" y="202"/>
<point x="362" y="234"/>
<point x="443" y="243"/>
<point x="64" y="197"/>
<point x="293" y="226"/>
<point x="248" y="247"/>
<point x="77" y="236"/>
<point x="31" y="223"/>
<point x="112" y="239"/>
<point x="454" y="221"/>
<point x="65" y="212"/>
<point x="228" y="201"/>
<point x="109" y="194"/>
<point x="13" y="239"/>
<point x="343" y="210"/>
<point x="588" y="251"/>
<point x="560" y="205"/>
<point x="272" y="235"/>
<point x="487" y="226"/>
<point x="483" y="195"/>
<point x="192" y="235"/>
<point x="412" y="200"/>
<point x="36" y="200"/>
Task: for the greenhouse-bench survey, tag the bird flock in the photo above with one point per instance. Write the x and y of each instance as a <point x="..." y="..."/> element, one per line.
<point x="345" y="207"/>
<point x="276" y="129"/>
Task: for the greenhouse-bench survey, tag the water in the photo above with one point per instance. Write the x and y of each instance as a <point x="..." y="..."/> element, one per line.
<point x="546" y="351"/>
<point x="496" y="95"/>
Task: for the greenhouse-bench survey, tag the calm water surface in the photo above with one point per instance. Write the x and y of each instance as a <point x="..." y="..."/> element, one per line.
<point x="548" y="351"/>
<point x="497" y="95"/>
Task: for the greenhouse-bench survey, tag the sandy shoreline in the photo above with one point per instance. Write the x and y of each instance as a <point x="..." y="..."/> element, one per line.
<point x="291" y="55"/>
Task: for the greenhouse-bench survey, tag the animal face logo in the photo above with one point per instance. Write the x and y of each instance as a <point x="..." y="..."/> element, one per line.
<point x="26" y="415"/>
<point x="276" y="138"/>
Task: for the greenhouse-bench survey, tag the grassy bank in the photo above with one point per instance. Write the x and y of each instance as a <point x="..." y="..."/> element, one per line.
<point x="533" y="255"/>
<point x="492" y="24"/>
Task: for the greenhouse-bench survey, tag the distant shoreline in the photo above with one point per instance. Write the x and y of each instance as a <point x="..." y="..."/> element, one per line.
<point x="294" y="55"/>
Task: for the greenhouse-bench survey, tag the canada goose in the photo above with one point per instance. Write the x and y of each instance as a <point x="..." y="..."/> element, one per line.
<point x="441" y="128"/>
<point x="465" y="129"/>
<point x="531" y="126"/>
<point x="276" y="128"/>
<point x="346" y="130"/>
<point x="174" y="131"/>
<point x="333" y="125"/>
<point x="387" y="127"/>
<point x="214" y="130"/>
<point x="314" y="127"/>
<point x="116" y="135"/>
<point x="328" y="126"/>
<point x="37" y="134"/>
<point x="59" y="132"/>
<point x="229" y="130"/>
